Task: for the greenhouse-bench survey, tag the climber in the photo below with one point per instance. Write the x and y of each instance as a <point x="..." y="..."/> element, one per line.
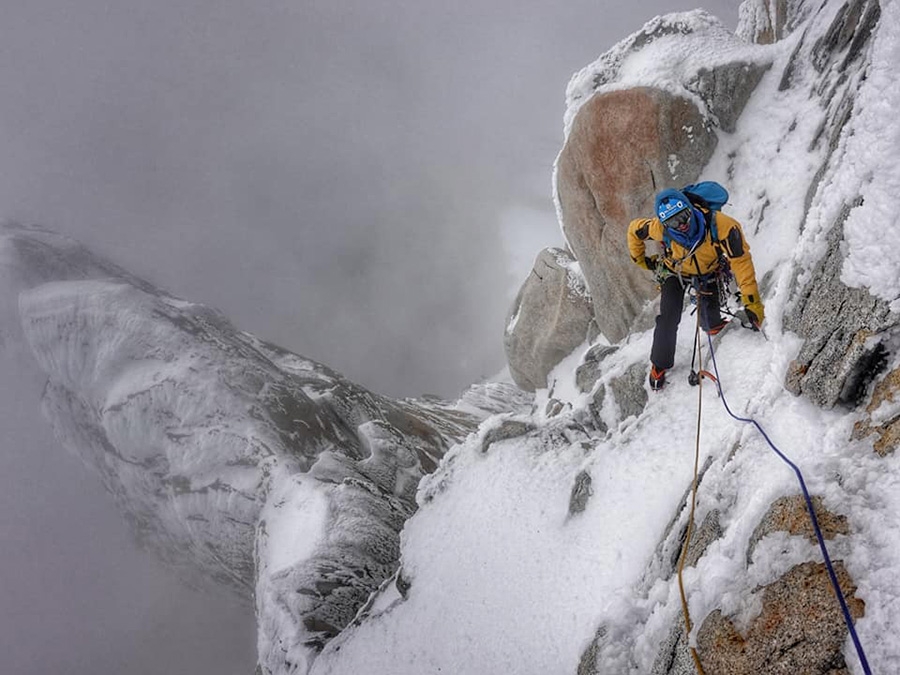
<point x="698" y="241"/>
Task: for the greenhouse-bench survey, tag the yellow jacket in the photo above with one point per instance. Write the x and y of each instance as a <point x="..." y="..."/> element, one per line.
<point x="705" y="257"/>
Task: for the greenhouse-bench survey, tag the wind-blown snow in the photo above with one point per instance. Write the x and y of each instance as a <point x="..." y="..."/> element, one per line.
<point x="875" y="170"/>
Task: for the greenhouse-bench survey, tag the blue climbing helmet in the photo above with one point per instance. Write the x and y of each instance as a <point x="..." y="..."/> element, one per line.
<point x="680" y="220"/>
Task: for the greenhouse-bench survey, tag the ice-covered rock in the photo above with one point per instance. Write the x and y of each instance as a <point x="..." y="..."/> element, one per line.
<point x="234" y="460"/>
<point x="549" y="318"/>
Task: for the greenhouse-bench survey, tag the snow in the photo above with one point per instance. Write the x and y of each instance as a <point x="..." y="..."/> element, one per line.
<point x="295" y="515"/>
<point x="874" y="171"/>
<point x="504" y="579"/>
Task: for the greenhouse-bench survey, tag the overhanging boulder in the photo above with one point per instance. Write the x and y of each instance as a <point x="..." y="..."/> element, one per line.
<point x="624" y="146"/>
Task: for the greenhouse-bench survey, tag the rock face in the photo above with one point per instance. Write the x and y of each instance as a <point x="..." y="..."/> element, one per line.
<point x="550" y="317"/>
<point x="846" y="330"/>
<point x="843" y="330"/>
<point x="234" y="460"/>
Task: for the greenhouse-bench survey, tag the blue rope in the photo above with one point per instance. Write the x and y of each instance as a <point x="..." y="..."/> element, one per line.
<point x="812" y="516"/>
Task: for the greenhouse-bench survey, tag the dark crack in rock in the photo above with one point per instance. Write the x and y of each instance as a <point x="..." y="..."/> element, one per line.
<point x="850" y="31"/>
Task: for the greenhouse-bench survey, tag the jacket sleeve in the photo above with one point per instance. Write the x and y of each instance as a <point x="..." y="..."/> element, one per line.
<point x="736" y="247"/>
<point x="639" y="230"/>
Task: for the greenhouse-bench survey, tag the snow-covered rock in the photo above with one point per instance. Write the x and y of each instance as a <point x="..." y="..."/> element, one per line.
<point x="560" y="544"/>
<point x="551" y="316"/>
<point x="234" y="460"/>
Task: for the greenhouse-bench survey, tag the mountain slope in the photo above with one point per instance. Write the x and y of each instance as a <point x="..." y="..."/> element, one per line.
<point x="235" y="461"/>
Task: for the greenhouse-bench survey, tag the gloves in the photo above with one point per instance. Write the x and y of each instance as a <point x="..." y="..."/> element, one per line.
<point x="755" y="311"/>
<point x="646" y="263"/>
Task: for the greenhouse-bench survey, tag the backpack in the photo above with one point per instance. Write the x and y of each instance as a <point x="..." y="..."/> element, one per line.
<point x="710" y="195"/>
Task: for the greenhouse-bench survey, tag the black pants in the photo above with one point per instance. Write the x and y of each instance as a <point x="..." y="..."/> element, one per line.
<point x="671" y="304"/>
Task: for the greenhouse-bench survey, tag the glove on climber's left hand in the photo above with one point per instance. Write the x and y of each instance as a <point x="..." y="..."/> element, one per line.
<point x="646" y="263"/>
<point x="755" y="312"/>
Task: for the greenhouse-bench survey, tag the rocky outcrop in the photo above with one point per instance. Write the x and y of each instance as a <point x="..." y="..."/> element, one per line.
<point x="236" y="461"/>
<point x="629" y="392"/>
<point x="550" y="317"/>
<point x="800" y="628"/>
<point x="791" y="515"/>
<point x="591" y="367"/>
<point x="624" y="146"/>
<point x="843" y="329"/>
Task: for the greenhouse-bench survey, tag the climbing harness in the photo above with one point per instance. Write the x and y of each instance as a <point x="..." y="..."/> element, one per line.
<point x="725" y="285"/>
<point x="848" y="620"/>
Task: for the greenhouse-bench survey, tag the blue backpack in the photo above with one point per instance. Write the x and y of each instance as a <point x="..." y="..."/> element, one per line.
<point x="710" y="195"/>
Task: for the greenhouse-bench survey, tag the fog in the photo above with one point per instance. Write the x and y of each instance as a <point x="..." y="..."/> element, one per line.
<point x="362" y="182"/>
